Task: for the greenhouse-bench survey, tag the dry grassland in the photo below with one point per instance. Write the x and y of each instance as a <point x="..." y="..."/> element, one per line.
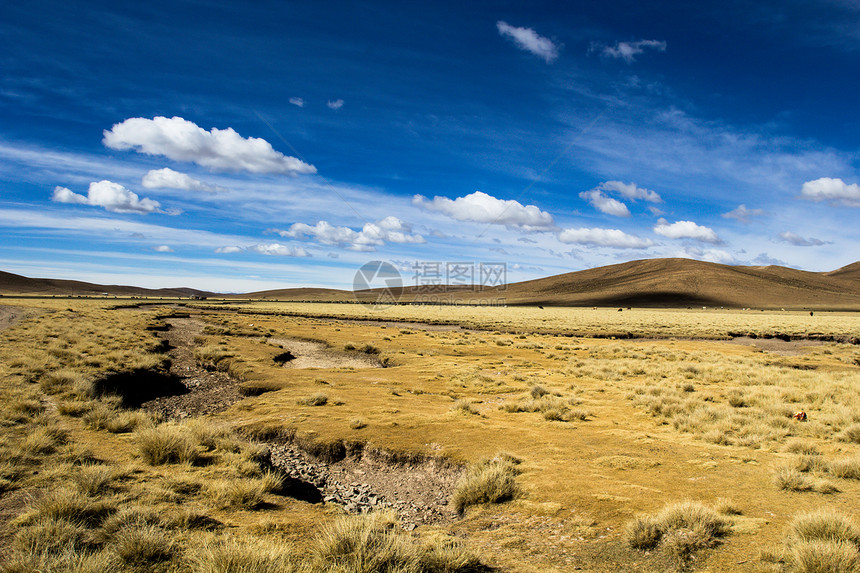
<point x="577" y="453"/>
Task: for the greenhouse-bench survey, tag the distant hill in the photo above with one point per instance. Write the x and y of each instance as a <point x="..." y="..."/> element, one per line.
<point x="16" y="284"/>
<point x="671" y="283"/>
<point x="685" y="282"/>
<point x="849" y="272"/>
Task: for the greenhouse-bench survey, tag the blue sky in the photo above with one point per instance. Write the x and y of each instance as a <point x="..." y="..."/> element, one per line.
<point x="236" y="146"/>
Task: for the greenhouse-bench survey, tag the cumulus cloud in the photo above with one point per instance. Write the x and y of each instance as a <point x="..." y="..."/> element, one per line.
<point x="480" y="207"/>
<point x="603" y="238"/>
<point x="834" y="191"/>
<point x="297" y="101"/>
<point x="162" y="249"/>
<point x="686" y="230"/>
<point x="372" y="235"/>
<point x="631" y="191"/>
<point x="218" y="149"/>
<point x="277" y="249"/>
<point x="798" y="241"/>
<point x="335" y="104"/>
<point x="743" y="214"/>
<point x="709" y="255"/>
<point x="273" y="249"/>
<point x="765" y="259"/>
<point x="530" y="41"/>
<point x="605" y="204"/>
<point x="109" y="195"/>
<point x="628" y="51"/>
<point x="169" y="179"/>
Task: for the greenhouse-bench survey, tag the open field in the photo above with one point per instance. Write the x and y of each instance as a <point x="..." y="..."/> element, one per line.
<point x="192" y="437"/>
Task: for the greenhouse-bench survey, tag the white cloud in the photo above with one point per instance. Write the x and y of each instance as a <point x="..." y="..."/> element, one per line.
<point x="834" y="191"/>
<point x="798" y="241"/>
<point x="297" y="101"/>
<point x="710" y="255"/>
<point x="162" y="249"/>
<point x="228" y="250"/>
<point x="605" y="204"/>
<point x="169" y="179"/>
<point x="277" y="249"/>
<point x="631" y="191"/>
<point x="604" y="238"/>
<point x="219" y="149"/>
<point x="66" y="195"/>
<point x="112" y="196"/>
<point x="628" y="51"/>
<point x="482" y="208"/>
<point x="530" y="41"/>
<point x="335" y="104"/>
<point x="743" y="214"/>
<point x="686" y="230"/>
<point x="372" y="235"/>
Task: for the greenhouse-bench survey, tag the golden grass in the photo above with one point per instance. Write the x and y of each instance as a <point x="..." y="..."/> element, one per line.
<point x="666" y="420"/>
<point x="489" y="481"/>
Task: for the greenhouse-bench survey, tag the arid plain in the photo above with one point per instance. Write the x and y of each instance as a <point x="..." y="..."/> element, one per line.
<point x="236" y="436"/>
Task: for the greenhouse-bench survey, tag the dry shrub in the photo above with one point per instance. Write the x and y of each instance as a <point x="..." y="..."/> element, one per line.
<point x="62" y="380"/>
<point x="318" y="399"/>
<point x="823" y="525"/>
<point x="43" y="440"/>
<point x="70" y="505"/>
<point x="851" y="434"/>
<point x="726" y="506"/>
<point x="463" y="406"/>
<point x="490" y="481"/>
<point x="143" y="546"/>
<point x="803" y="447"/>
<point x="683" y="528"/>
<point x="167" y="444"/>
<point x="823" y="557"/>
<point x="52" y="536"/>
<point x="94" y="480"/>
<point x="375" y="542"/>
<point x="823" y="541"/>
<point x="230" y="555"/>
<point x="788" y="478"/>
<point x="213" y="358"/>
<point x="237" y="493"/>
<point x="366" y="543"/>
<point x="845" y="468"/>
<point x="357" y="423"/>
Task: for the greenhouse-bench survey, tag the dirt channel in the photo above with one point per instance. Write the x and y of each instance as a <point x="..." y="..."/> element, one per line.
<point x="363" y="479"/>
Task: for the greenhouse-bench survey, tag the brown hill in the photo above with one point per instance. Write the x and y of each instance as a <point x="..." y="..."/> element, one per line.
<point x="11" y="284"/>
<point x="669" y="283"/>
<point x="680" y="282"/>
<point x="651" y="282"/>
<point x="848" y="272"/>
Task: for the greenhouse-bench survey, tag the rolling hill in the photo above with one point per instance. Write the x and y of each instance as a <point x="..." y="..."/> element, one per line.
<point x="11" y="284"/>
<point x="650" y="282"/>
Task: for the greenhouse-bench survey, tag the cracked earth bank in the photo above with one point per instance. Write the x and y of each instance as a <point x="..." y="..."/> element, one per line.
<point x="417" y="489"/>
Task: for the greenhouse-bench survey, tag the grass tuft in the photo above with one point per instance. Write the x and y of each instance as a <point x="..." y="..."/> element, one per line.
<point x="167" y="444"/>
<point x="490" y="481"/>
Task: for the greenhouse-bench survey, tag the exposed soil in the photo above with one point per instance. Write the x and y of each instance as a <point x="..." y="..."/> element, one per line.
<point x="208" y="392"/>
<point x="777" y="346"/>
<point x="309" y="354"/>
<point x="360" y="482"/>
<point x="368" y="480"/>
<point x="9" y="315"/>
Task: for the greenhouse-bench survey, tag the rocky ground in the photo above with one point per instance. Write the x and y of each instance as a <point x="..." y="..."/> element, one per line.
<point x="208" y="392"/>
<point x="417" y="490"/>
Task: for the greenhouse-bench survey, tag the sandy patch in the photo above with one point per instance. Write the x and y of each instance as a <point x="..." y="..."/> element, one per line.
<point x="309" y="354"/>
